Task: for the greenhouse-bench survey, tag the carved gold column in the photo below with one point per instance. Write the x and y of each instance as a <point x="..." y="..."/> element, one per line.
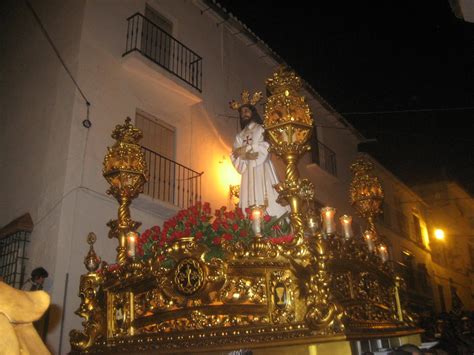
<point x="322" y="314"/>
<point x="125" y="171"/>
<point x="289" y="124"/>
<point x="366" y="192"/>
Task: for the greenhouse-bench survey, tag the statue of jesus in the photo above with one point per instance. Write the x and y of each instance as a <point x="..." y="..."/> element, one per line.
<point x="251" y="159"/>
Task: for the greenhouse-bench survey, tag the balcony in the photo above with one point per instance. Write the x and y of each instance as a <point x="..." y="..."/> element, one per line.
<point x="171" y="182"/>
<point x="152" y="42"/>
<point x="323" y="156"/>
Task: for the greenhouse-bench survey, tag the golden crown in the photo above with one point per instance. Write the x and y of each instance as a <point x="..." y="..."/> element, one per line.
<point x="246" y="100"/>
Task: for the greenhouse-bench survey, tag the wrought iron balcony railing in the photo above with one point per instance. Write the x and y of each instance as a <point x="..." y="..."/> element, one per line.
<point x="416" y="279"/>
<point x="322" y="155"/>
<point x="160" y="47"/>
<point x="170" y="181"/>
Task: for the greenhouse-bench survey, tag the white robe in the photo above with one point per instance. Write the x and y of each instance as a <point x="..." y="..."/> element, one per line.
<point x="258" y="176"/>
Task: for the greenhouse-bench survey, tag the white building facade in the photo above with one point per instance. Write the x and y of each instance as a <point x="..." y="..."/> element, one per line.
<point x="173" y="72"/>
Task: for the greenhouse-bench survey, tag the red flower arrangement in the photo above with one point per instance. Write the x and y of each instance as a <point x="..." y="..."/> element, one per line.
<point x="212" y="230"/>
<point x="194" y="221"/>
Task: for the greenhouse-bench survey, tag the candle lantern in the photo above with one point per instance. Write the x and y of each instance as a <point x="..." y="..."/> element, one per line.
<point x="327" y="216"/>
<point x="312" y="222"/>
<point x="383" y="253"/>
<point x="369" y="239"/>
<point x="125" y="171"/>
<point x="346" y="223"/>
<point x="131" y="243"/>
<point x="366" y="193"/>
<point x="288" y="124"/>
<point x="257" y="216"/>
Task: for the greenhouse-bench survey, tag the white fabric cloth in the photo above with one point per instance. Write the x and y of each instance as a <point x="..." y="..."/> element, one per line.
<point x="257" y="176"/>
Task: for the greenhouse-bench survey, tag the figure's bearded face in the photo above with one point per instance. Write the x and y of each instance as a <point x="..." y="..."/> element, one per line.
<point x="248" y="114"/>
<point x="245" y="114"/>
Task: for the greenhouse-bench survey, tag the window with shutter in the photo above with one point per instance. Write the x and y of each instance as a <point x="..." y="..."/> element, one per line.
<point x="159" y="143"/>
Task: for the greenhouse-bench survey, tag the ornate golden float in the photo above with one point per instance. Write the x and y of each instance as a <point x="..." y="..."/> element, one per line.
<point x="322" y="287"/>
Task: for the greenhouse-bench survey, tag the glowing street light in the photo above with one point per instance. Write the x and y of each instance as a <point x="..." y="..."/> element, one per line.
<point x="439" y="234"/>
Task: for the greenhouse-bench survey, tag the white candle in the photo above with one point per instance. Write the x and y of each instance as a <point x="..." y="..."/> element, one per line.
<point x="383" y="253"/>
<point x="313" y="223"/>
<point x="346" y="222"/>
<point x="131" y="243"/>
<point x="256" y="221"/>
<point x="327" y="214"/>
<point x="368" y="237"/>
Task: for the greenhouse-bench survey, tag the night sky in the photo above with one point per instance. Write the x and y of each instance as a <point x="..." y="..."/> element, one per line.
<point x="413" y="57"/>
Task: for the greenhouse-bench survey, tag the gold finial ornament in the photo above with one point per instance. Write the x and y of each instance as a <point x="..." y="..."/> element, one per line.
<point x="246" y="100"/>
<point x="127" y="132"/>
<point x="366" y="193"/>
<point x="283" y="80"/>
<point x="92" y="304"/>
<point x="285" y="105"/>
<point x="125" y="171"/>
<point x="91" y="261"/>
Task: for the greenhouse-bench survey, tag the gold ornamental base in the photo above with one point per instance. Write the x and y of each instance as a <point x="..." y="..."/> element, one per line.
<point x="332" y="347"/>
<point x="318" y="294"/>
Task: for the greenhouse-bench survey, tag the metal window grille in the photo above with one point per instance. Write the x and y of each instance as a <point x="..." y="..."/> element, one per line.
<point x="13" y="250"/>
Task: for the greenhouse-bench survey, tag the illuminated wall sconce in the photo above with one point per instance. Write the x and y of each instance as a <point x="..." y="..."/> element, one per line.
<point x="327" y="216"/>
<point x="346" y="223"/>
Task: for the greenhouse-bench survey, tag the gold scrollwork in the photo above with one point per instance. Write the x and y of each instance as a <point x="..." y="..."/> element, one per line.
<point x="244" y="289"/>
<point x="91" y="309"/>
